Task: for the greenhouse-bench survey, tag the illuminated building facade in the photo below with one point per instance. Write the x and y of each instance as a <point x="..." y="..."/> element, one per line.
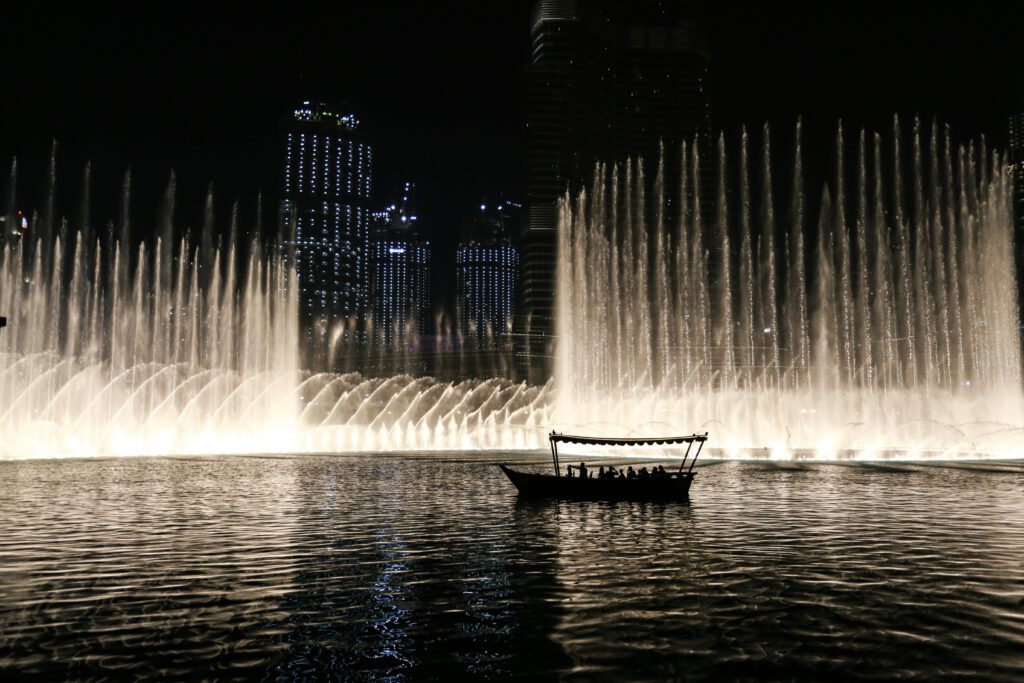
<point x="400" y="281"/>
<point x="325" y="201"/>
<point x="487" y="270"/>
<point x="13" y="226"/>
<point x="608" y="80"/>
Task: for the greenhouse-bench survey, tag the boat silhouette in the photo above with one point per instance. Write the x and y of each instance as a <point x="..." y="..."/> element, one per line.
<point x="659" y="486"/>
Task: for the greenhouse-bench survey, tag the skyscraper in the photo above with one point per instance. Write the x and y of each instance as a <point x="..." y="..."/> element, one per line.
<point x="608" y="80"/>
<point x="487" y="267"/>
<point x="1016" y="159"/>
<point x="326" y="193"/>
<point x="662" y="72"/>
<point x="400" y="281"/>
<point x="569" y="86"/>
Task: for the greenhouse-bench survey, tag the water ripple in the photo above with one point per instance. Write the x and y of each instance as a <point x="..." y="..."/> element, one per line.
<point x="429" y="567"/>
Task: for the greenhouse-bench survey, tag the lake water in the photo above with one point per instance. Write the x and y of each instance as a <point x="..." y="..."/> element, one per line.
<point x="427" y="567"/>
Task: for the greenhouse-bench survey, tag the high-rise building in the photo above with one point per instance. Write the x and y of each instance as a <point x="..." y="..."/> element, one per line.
<point x="662" y="72"/>
<point x="569" y="85"/>
<point x="487" y="268"/>
<point x="325" y="207"/>
<point x="400" y="281"/>
<point x="608" y="80"/>
<point x="1016" y="159"/>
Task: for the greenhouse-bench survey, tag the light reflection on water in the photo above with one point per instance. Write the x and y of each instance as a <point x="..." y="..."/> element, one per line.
<point x="426" y="567"/>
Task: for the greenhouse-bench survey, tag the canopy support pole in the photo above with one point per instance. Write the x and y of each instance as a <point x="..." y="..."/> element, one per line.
<point x="554" y="457"/>
<point x="685" y="456"/>
<point x="694" y="461"/>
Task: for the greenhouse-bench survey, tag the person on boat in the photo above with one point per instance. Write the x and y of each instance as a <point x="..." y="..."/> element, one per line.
<point x="630" y="474"/>
<point x="568" y="471"/>
<point x="661" y="472"/>
<point x="583" y="470"/>
<point x="600" y="473"/>
<point x="643" y="474"/>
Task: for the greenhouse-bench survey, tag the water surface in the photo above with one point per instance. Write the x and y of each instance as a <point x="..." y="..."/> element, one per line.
<point x="423" y="567"/>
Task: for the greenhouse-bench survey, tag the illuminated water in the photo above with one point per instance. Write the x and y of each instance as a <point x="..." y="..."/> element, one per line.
<point x="189" y="345"/>
<point x="886" y="327"/>
<point x="427" y="567"/>
<point x="888" y="322"/>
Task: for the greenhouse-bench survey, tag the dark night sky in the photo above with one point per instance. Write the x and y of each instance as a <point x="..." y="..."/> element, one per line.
<point x="440" y="86"/>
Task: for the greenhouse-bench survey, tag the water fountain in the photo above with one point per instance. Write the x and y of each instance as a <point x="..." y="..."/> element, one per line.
<point x="887" y="326"/>
<point x="170" y="347"/>
<point x="189" y="346"/>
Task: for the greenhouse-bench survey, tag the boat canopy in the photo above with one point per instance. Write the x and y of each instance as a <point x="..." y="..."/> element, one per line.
<point x="698" y="439"/>
<point x="626" y="441"/>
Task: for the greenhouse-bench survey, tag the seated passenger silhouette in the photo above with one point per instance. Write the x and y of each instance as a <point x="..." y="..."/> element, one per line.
<point x="644" y="474"/>
<point x="630" y="474"/>
<point x="583" y="470"/>
<point x="601" y="473"/>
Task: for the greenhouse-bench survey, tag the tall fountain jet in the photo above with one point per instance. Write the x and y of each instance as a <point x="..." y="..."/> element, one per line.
<point x="875" y="317"/>
<point x="183" y="345"/>
<point x="112" y="349"/>
<point x="880" y="319"/>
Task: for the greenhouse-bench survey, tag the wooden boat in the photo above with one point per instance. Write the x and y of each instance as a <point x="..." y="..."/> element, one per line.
<point x="673" y="486"/>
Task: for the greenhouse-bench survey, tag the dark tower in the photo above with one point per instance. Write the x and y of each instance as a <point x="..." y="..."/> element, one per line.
<point x="662" y="90"/>
<point x="1016" y="159"/>
<point x="570" y="87"/>
<point x="609" y="80"/>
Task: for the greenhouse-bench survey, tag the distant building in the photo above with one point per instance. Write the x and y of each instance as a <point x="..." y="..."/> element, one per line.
<point x="326" y="187"/>
<point x="400" y="275"/>
<point x="13" y="227"/>
<point x="607" y="80"/>
<point x="487" y="269"/>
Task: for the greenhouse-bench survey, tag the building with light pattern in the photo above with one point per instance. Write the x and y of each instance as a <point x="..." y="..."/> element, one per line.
<point x="326" y="186"/>
<point x="487" y="268"/>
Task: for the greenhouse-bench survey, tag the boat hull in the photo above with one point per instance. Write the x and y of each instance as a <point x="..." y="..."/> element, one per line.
<point x="531" y="485"/>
